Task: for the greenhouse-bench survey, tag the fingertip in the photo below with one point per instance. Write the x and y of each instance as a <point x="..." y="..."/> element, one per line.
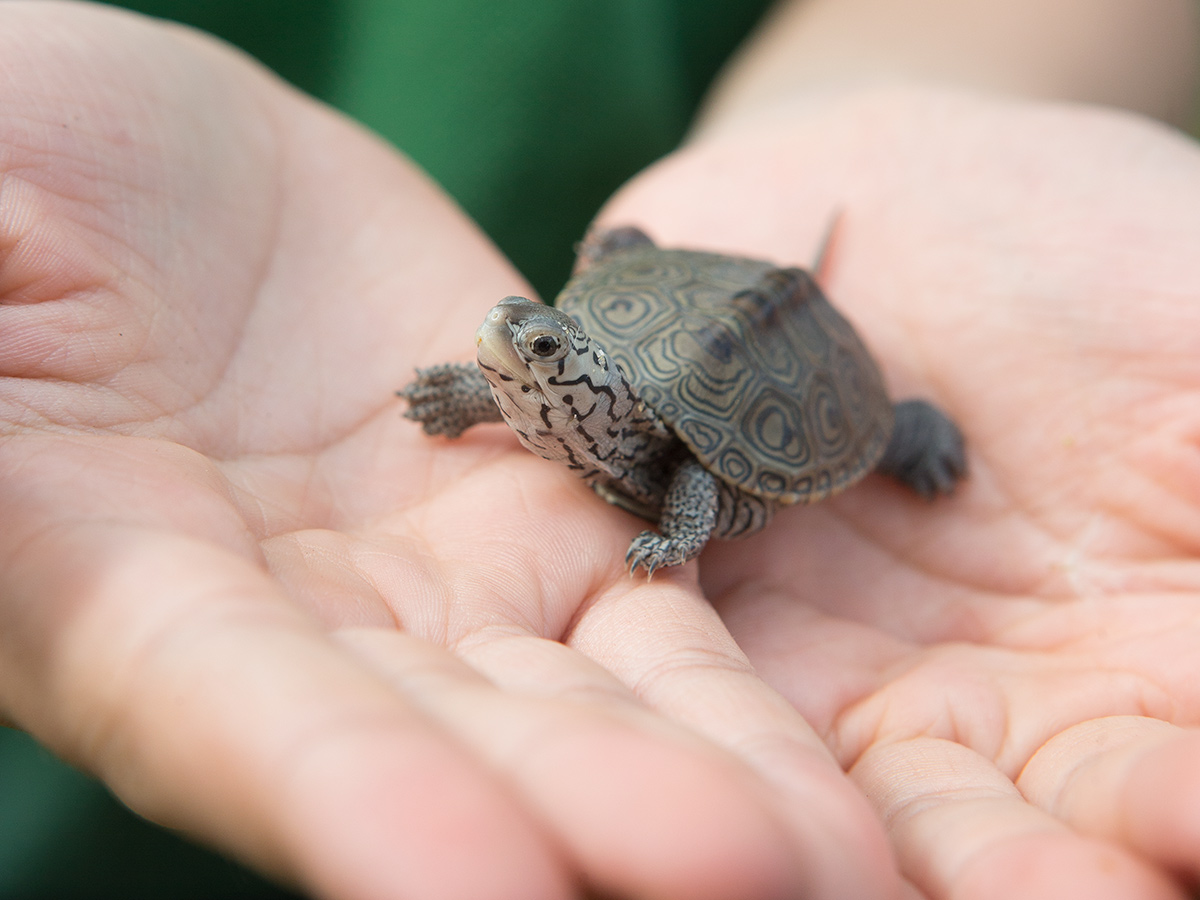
<point x="1132" y="780"/>
<point x="837" y="838"/>
<point x="1059" y="866"/>
<point x="699" y="833"/>
<point x="1162" y="803"/>
<point x="844" y="847"/>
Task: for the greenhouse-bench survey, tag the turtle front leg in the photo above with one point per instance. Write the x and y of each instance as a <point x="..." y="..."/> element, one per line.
<point x="689" y="513"/>
<point x="449" y="399"/>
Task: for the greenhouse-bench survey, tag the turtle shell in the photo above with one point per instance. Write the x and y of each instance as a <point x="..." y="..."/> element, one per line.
<point x="756" y="372"/>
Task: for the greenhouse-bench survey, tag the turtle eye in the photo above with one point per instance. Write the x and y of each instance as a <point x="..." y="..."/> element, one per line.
<point x="543" y="345"/>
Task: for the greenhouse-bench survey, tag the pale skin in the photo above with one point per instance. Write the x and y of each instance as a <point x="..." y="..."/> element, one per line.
<point x="267" y="610"/>
<point x="1011" y="678"/>
<point x="1009" y="675"/>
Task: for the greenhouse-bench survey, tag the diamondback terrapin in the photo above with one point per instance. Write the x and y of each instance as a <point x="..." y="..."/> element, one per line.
<point x="696" y="390"/>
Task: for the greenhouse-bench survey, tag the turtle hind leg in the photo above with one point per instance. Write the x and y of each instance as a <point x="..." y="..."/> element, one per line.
<point x="688" y="516"/>
<point x="926" y="451"/>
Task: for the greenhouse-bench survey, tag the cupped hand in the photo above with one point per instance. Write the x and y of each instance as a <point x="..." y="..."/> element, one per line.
<point x="1011" y="674"/>
<point x="265" y="609"/>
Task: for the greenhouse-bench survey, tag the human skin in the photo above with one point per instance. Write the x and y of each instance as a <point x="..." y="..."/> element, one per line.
<point x="1115" y="52"/>
<point x="237" y="586"/>
<point x="267" y="611"/>
<point x="1009" y="675"/>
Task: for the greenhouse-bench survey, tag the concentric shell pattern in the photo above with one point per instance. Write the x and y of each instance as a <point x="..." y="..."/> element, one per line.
<point x="757" y="373"/>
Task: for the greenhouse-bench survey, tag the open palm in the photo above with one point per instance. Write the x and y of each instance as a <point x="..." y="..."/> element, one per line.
<point x="263" y="607"/>
<point x="1010" y="675"/>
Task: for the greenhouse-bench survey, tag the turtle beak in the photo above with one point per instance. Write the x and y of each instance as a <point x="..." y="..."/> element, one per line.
<point x="495" y="353"/>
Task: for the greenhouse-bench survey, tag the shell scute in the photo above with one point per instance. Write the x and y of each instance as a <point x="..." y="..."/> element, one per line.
<point x="757" y="373"/>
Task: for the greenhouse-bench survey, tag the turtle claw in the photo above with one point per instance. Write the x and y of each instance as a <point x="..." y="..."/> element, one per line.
<point x="689" y="513"/>
<point x="449" y="399"/>
<point x="651" y="551"/>
<point x="940" y="474"/>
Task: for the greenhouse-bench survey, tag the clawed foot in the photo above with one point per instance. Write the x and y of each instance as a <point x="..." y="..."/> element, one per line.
<point x="449" y="399"/>
<point x="926" y="452"/>
<point x="651" y="551"/>
<point x="688" y="515"/>
<point x="940" y="470"/>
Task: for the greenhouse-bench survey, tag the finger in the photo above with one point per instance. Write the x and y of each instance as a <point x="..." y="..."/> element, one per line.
<point x="666" y="643"/>
<point x="177" y="673"/>
<point x="1128" y="779"/>
<point x="644" y="809"/>
<point x="962" y="830"/>
<point x="517" y="550"/>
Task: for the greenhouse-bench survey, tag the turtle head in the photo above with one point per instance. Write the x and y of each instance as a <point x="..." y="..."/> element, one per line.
<point x="557" y="389"/>
<point x="536" y="359"/>
<point x="525" y="349"/>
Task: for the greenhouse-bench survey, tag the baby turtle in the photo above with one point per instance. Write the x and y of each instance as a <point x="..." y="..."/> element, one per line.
<point x="696" y="390"/>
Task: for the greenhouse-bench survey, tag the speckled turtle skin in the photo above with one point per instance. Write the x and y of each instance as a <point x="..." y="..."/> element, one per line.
<point x="696" y="390"/>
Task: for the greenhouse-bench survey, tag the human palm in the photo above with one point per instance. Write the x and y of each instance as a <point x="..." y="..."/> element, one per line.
<point x="1011" y="675"/>
<point x="263" y="607"/>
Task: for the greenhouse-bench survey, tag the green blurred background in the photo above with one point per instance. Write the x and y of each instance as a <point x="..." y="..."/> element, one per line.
<point x="530" y="113"/>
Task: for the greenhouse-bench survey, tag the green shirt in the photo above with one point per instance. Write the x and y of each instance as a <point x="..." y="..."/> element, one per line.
<point x="529" y="112"/>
